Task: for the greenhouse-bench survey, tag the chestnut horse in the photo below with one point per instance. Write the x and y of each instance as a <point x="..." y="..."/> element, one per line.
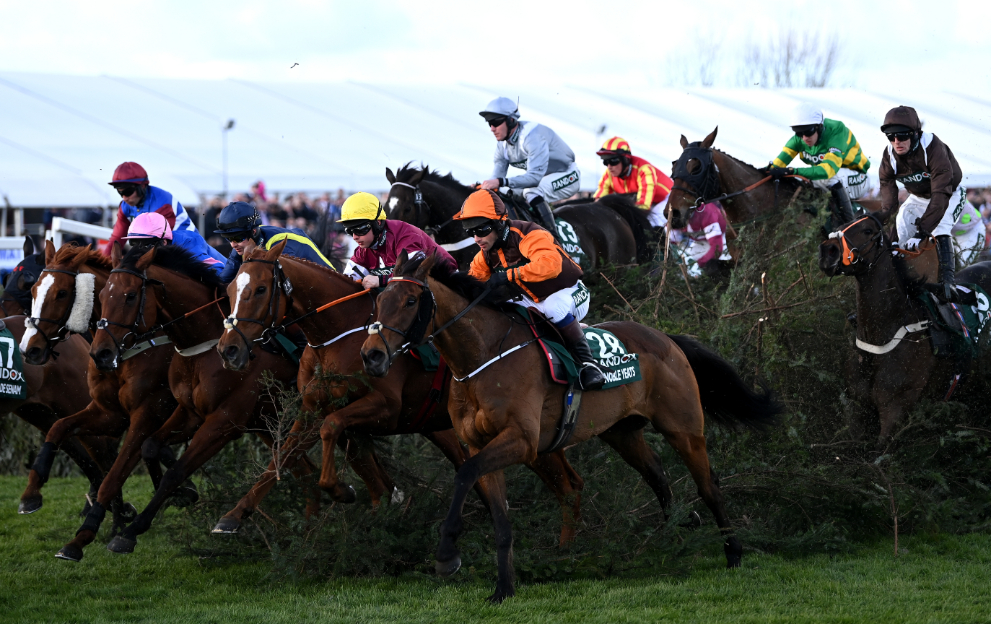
<point x="717" y="174"/>
<point x="167" y="285"/>
<point x="506" y="408"/>
<point x="893" y="366"/>
<point x="270" y="286"/>
<point x="604" y="230"/>
<point x="134" y="397"/>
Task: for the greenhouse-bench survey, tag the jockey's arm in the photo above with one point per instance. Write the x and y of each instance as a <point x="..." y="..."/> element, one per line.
<point x="648" y="181"/>
<point x="941" y="183"/>
<point x="545" y="258"/>
<point x="714" y="236"/>
<point x="605" y="185"/>
<point x="889" y="189"/>
<point x="119" y="232"/>
<point x="500" y="164"/>
<point x="537" y="159"/>
<point x="479" y="269"/>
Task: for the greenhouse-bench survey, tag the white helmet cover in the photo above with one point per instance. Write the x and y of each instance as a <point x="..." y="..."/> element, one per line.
<point x="806" y="114"/>
<point x="502" y="106"/>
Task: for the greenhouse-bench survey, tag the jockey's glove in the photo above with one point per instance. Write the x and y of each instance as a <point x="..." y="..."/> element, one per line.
<point x="498" y="279"/>
<point x="912" y="244"/>
<point x="779" y="172"/>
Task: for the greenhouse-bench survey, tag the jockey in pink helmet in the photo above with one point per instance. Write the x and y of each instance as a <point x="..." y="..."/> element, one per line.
<point x="149" y="229"/>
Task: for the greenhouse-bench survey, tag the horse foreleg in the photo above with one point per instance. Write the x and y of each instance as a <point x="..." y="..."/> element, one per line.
<point x="207" y="442"/>
<point x="92" y="420"/>
<point x="368" y="408"/>
<point x="691" y="448"/>
<point x="359" y="452"/>
<point x="566" y="484"/>
<point x="635" y="451"/>
<point x="506" y="449"/>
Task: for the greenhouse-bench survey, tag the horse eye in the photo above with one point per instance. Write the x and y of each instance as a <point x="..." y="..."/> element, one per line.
<point x="409" y="302"/>
<point x="260" y="290"/>
<point x="130" y="297"/>
<point x="61" y="294"/>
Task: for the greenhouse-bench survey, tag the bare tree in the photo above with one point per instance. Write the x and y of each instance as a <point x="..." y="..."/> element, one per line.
<point x="791" y="59"/>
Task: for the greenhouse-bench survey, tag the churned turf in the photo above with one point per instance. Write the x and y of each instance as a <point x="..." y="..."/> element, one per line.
<point x="935" y="579"/>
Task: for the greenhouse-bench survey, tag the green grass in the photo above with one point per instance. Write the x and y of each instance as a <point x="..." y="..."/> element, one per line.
<point x="935" y="579"/>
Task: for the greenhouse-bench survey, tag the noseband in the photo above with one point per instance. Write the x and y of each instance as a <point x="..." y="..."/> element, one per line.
<point x="134" y="329"/>
<point x="851" y="256"/>
<point x="61" y="333"/>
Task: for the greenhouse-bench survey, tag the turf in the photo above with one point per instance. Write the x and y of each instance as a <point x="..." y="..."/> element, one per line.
<point x="937" y="578"/>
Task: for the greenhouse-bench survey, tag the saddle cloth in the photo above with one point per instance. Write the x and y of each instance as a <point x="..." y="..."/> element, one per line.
<point x="12" y="382"/>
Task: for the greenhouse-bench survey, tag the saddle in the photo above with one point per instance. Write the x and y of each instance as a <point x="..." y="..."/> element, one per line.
<point x="955" y="328"/>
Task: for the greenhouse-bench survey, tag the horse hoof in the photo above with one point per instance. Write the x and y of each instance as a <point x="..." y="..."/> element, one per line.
<point x="70" y="552"/>
<point x="447" y="568"/>
<point x="500" y="595"/>
<point x="344" y="494"/>
<point x="29" y="505"/>
<point x="128" y="513"/>
<point x="184" y="496"/>
<point x="121" y="545"/>
<point x="694" y="521"/>
<point x="227" y="526"/>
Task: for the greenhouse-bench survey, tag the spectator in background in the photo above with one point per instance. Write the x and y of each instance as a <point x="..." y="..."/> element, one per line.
<point x="258" y="196"/>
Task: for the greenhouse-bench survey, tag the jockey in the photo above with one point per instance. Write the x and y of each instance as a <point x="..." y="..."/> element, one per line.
<point x="524" y="257"/>
<point x="836" y="162"/>
<point x="937" y="205"/>
<point x="150" y="229"/>
<point x="551" y="173"/>
<point x="380" y="241"/>
<point x="240" y="224"/>
<point x="706" y="231"/>
<point x="138" y="197"/>
<point x="626" y="173"/>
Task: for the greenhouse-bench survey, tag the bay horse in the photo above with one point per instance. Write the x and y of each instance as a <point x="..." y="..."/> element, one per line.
<point x="506" y="408"/>
<point x="270" y="286"/>
<point x="893" y="366"/>
<point x="429" y="201"/>
<point x="716" y="174"/>
<point x="168" y="287"/>
<point x="133" y="397"/>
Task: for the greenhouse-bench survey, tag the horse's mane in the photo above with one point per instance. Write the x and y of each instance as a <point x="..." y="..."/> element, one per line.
<point x="462" y="283"/>
<point x="325" y="270"/>
<point x="175" y="258"/>
<point x="407" y="171"/>
<point x="71" y="252"/>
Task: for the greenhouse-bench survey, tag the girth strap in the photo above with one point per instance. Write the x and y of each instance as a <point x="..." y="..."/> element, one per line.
<point x="899" y="336"/>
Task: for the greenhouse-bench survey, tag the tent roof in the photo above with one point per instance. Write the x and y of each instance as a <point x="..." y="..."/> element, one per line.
<point x="62" y="136"/>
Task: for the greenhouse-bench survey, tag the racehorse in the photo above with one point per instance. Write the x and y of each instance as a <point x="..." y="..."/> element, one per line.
<point x="604" y="230"/>
<point x="893" y="366"/>
<point x="168" y="286"/>
<point x="703" y="174"/>
<point x="132" y="397"/>
<point x="56" y="389"/>
<point x="270" y="286"/>
<point x="505" y="407"/>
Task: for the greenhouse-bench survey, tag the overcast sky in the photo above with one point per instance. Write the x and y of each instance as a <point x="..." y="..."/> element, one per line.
<point x="890" y="45"/>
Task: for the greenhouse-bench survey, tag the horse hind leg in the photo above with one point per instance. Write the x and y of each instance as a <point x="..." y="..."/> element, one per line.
<point x="566" y="484"/>
<point x="691" y="448"/>
<point x="635" y="451"/>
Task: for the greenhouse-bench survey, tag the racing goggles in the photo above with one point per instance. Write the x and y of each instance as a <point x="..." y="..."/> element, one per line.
<point x="481" y="231"/>
<point x="237" y="237"/>
<point x="498" y="121"/>
<point x="126" y="190"/>
<point x="805" y="131"/>
<point x="358" y="230"/>
<point x="899" y="136"/>
<point x="612" y="161"/>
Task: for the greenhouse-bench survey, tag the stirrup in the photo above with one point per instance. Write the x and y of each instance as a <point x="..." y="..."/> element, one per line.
<point x="598" y="377"/>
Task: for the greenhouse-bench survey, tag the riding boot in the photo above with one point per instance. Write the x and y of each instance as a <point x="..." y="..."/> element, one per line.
<point x="844" y="207"/>
<point x="590" y="377"/>
<point x="543" y="212"/>
<point x="944" y="252"/>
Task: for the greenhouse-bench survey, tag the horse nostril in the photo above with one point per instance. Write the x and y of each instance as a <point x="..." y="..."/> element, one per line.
<point x="230" y="352"/>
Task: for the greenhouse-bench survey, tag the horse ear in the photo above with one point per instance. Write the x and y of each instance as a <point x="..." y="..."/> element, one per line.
<point x="116" y="254"/>
<point x="684" y="142"/>
<point x="424" y="269"/>
<point x="391" y="177"/>
<point x="28" y="246"/>
<point x="708" y="141"/>
<point x="417" y="177"/>
<point x="145" y="261"/>
<point x="49" y="252"/>
<point x="401" y="261"/>
<point x="276" y="251"/>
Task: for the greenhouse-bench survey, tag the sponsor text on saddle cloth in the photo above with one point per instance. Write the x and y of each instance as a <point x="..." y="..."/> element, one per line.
<point x="569" y="240"/>
<point x="12" y="382"/>
<point x="965" y="323"/>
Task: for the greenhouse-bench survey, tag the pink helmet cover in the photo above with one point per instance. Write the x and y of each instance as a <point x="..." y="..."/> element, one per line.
<point x="149" y="225"/>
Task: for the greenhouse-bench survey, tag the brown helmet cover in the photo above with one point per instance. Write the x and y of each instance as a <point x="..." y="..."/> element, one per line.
<point x="904" y="116"/>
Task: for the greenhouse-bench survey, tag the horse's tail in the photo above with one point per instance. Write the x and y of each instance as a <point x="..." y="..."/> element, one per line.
<point x="643" y="231"/>
<point x="725" y="396"/>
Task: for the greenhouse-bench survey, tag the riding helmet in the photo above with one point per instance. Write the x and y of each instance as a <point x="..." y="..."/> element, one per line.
<point x="237" y="217"/>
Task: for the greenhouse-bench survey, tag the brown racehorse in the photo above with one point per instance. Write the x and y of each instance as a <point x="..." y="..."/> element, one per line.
<point x="604" y="230"/>
<point x="409" y="400"/>
<point x="132" y="398"/>
<point x="718" y="174"/>
<point x="892" y="368"/>
<point x="167" y="285"/>
<point x="507" y="409"/>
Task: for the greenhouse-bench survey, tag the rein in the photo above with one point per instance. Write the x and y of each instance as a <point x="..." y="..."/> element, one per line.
<point x="61" y="334"/>
<point x="852" y="255"/>
<point x="139" y="319"/>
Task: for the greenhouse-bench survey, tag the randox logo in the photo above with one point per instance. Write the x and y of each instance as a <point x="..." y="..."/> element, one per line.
<point x="813" y="159"/>
<point x="520" y="164"/>
<point x="913" y="178"/>
<point x="11" y="374"/>
<point x="567" y="180"/>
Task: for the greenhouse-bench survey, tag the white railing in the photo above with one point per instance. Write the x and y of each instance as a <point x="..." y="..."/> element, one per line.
<point x="61" y="224"/>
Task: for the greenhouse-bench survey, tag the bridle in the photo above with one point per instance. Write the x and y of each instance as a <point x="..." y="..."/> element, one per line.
<point x="422" y="204"/>
<point x="134" y="329"/>
<point x="413" y="336"/>
<point x="852" y="256"/>
<point x="61" y="333"/>
<point x="280" y="285"/>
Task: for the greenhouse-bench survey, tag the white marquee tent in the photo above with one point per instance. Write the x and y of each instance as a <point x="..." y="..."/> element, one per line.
<point x="62" y="136"/>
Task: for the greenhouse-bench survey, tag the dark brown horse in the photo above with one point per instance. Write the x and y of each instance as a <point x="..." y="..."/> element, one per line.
<point x="167" y="285"/>
<point x="133" y="397"/>
<point x="717" y="173"/>
<point x="507" y="412"/>
<point x="603" y="230"/>
<point x="410" y="400"/>
<point x="893" y="366"/>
